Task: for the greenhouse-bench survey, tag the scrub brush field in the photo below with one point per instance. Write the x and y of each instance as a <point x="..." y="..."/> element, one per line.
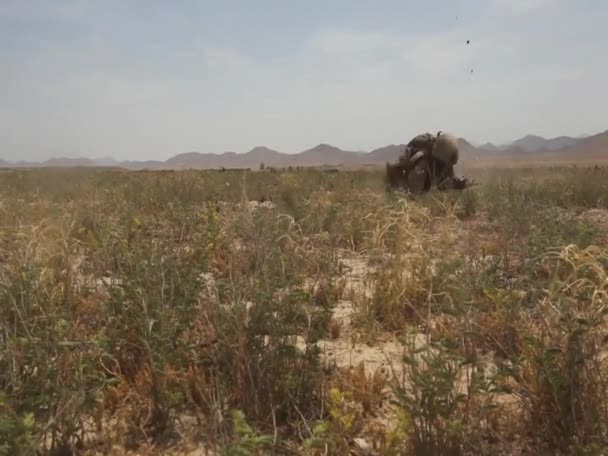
<point x="302" y="312"/>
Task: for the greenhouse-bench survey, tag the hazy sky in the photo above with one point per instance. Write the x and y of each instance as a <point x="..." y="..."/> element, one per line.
<point x="149" y="79"/>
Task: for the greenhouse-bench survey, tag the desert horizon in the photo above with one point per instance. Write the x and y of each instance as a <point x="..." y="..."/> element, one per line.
<point x="531" y="149"/>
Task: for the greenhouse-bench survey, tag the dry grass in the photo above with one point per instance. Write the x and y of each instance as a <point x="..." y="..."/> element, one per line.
<point x="162" y="312"/>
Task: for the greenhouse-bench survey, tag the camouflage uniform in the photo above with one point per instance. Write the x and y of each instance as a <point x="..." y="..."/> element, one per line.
<point x="420" y="169"/>
<point x="425" y="142"/>
<point x="418" y="161"/>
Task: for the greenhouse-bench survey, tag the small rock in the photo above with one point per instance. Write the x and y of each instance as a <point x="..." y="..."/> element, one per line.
<point x="268" y="205"/>
<point x="363" y="446"/>
<point x="265" y="205"/>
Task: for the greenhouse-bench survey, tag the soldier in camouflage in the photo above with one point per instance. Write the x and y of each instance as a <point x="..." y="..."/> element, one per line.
<point x="428" y="160"/>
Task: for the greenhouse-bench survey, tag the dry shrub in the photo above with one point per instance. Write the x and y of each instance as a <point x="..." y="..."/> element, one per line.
<point x="335" y="328"/>
<point x="367" y="389"/>
<point x="561" y="376"/>
<point x="402" y="283"/>
<point x="447" y="401"/>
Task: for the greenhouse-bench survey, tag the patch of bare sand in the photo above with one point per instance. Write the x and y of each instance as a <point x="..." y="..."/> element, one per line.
<point x="346" y="350"/>
<point x="346" y="353"/>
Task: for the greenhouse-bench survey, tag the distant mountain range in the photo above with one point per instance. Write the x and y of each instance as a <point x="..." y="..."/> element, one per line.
<point x="530" y="146"/>
<point x="588" y="146"/>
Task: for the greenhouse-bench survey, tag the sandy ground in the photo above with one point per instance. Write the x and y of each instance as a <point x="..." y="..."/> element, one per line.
<point x="347" y="350"/>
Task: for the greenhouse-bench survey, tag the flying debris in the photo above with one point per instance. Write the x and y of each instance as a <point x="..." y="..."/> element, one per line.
<point x="468" y="41"/>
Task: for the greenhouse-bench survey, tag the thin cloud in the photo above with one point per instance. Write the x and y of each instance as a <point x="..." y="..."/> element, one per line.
<point x="43" y="9"/>
<point x="357" y="88"/>
<point x="520" y="7"/>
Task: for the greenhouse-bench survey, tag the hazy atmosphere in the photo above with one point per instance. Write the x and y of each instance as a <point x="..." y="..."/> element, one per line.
<point x="322" y="228"/>
<point x="144" y="80"/>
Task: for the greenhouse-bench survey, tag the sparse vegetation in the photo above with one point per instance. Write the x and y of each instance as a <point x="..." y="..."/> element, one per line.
<point x="302" y="312"/>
